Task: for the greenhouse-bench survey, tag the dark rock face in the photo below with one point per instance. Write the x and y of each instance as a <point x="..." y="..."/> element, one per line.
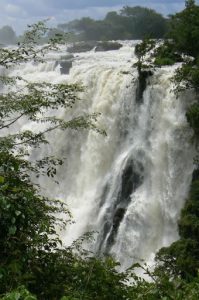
<point x="107" y="46"/>
<point x="142" y="83"/>
<point x="65" y="63"/>
<point x="81" y="47"/>
<point x="132" y="177"/>
<point x="90" y="45"/>
<point x="67" y="57"/>
<point x="65" y="66"/>
<point x="195" y="175"/>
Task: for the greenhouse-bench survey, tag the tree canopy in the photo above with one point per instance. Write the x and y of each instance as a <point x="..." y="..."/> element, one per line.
<point x="184" y="29"/>
<point x="129" y="23"/>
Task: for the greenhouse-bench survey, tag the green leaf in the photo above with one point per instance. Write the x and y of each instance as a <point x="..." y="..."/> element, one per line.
<point x="16" y="166"/>
<point x="17" y="213"/>
<point x="13" y="220"/>
<point x="4" y="187"/>
<point x="2" y="179"/>
<point x="30" y="298"/>
<point x="12" y="230"/>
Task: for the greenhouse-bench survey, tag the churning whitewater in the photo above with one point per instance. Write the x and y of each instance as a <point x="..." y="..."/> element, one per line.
<point x="129" y="186"/>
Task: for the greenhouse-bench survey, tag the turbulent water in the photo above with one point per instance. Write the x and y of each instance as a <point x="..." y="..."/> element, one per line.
<point x="129" y="186"/>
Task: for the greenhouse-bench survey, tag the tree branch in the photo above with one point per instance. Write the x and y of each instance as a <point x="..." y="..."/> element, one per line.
<point x="16" y="119"/>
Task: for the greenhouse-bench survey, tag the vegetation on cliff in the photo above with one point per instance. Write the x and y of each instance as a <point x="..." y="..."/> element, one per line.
<point x="180" y="261"/>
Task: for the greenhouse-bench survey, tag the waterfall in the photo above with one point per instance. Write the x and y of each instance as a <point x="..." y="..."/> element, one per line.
<point x="130" y="186"/>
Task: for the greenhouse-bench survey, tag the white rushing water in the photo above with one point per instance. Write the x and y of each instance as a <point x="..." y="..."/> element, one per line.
<point x="130" y="186"/>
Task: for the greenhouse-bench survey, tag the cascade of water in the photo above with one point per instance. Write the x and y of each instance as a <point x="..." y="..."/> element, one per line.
<point x="130" y="186"/>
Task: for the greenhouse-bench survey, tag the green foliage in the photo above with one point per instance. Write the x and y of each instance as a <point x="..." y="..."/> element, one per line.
<point x="182" y="257"/>
<point x="21" y="293"/>
<point x="185" y="34"/>
<point x="26" y="47"/>
<point x="141" y="51"/>
<point x="187" y="77"/>
<point x="141" y="22"/>
<point x="184" y="29"/>
<point x="165" y="54"/>
<point x="143" y="48"/>
<point x="143" y="65"/>
<point x="176" y="273"/>
<point x="130" y="23"/>
<point x="164" y="61"/>
<point x="30" y="249"/>
<point x="182" y="46"/>
<point x="193" y="118"/>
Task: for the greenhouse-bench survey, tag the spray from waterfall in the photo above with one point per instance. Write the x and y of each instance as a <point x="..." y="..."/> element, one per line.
<point x="130" y="186"/>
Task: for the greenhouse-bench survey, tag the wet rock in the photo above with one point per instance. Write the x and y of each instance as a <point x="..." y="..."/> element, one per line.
<point x="90" y="45"/>
<point x="65" y="66"/>
<point x="81" y="47"/>
<point x="68" y="56"/>
<point x="132" y="177"/>
<point x="65" y="63"/>
<point x="142" y="84"/>
<point x="107" y="46"/>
